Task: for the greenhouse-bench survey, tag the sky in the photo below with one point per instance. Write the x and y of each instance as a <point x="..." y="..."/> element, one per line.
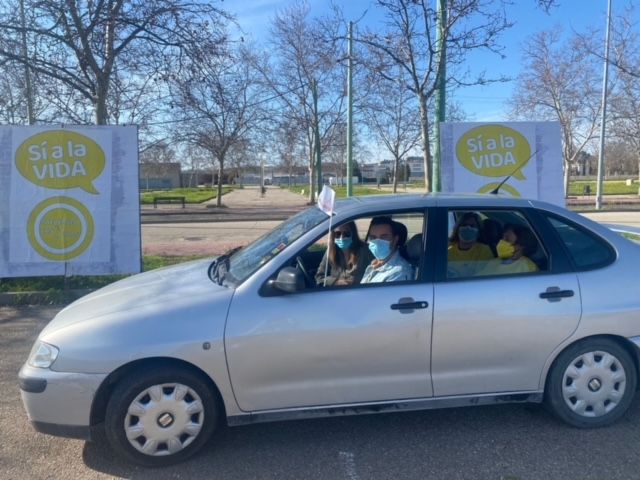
<point x="481" y="103"/>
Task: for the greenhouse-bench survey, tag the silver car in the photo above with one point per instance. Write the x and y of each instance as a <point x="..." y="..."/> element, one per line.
<point x="160" y="359"/>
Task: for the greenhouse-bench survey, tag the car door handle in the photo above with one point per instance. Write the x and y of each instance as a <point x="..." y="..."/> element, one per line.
<point x="555" y="292"/>
<point x="409" y="305"/>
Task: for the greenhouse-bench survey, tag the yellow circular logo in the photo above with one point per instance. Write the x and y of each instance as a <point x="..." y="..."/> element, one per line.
<point x="60" y="228"/>
<point x="61" y="159"/>
<point x="494" y="151"/>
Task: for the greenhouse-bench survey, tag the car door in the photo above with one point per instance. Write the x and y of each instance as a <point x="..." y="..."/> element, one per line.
<point x="329" y="346"/>
<point x="494" y="333"/>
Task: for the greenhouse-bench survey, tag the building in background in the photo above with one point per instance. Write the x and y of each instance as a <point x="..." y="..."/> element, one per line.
<point x="158" y="176"/>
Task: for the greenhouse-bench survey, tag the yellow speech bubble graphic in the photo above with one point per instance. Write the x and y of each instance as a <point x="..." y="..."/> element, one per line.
<point x="60" y="228"/>
<point x="504" y="187"/>
<point x="61" y="159"/>
<point x="494" y="151"/>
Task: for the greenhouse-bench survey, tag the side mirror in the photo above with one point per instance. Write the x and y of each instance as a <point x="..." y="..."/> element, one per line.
<point x="289" y="280"/>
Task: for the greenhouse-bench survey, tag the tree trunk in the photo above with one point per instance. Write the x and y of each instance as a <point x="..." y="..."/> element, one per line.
<point x="220" y="172"/>
<point x="395" y="174"/>
<point x="100" y="107"/>
<point x="312" y="176"/>
<point x="424" y="131"/>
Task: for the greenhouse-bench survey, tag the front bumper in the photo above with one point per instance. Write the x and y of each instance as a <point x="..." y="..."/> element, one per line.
<point x="59" y="403"/>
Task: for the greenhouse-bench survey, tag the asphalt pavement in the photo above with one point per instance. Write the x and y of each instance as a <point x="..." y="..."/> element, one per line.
<point x="502" y="442"/>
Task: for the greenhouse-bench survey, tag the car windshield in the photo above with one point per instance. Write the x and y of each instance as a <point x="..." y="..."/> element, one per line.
<point x="246" y="261"/>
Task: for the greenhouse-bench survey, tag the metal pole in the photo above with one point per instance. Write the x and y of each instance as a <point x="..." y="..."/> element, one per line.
<point x="262" y="174"/>
<point x="27" y="71"/>
<point x="604" y="110"/>
<point x="316" y="132"/>
<point x="442" y="92"/>
<point x="350" y="114"/>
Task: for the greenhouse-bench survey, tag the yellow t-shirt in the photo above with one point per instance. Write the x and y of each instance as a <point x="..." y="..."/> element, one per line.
<point x="466" y="263"/>
<point x="506" y="267"/>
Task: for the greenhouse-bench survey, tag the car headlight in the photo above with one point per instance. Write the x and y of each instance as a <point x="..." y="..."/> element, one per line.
<point x="42" y="355"/>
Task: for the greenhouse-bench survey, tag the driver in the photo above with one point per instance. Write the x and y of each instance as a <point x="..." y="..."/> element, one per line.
<point x="348" y="257"/>
<point x="384" y="239"/>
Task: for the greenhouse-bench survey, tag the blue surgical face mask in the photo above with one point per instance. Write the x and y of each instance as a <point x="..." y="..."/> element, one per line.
<point x="343" y="242"/>
<point x="380" y="248"/>
<point x="468" y="233"/>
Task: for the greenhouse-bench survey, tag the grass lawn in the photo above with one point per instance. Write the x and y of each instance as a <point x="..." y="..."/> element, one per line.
<point x="57" y="288"/>
<point x="610" y="187"/>
<point x="191" y="195"/>
<point x="576" y="187"/>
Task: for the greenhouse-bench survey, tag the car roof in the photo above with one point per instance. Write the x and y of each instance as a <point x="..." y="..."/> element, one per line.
<point x="354" y="205"/>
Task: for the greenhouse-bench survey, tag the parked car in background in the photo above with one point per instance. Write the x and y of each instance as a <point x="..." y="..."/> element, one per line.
<point x="160" y="359"/>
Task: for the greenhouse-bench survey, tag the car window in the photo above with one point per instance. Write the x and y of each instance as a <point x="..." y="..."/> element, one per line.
<point x="246" y="261"/>
<point x="492" y="242"/>
<point x="350" y="260"/>
<point x="585" y="249"/>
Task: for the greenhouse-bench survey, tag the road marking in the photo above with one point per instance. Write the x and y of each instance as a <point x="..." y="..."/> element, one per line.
<point x="349" y="463"/>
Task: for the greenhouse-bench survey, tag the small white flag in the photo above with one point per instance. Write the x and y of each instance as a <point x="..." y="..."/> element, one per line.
<point x="326" y="199"/>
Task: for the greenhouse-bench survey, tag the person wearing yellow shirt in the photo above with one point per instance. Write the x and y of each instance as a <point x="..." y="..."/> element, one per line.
<point x="517" y="244"/>
<point x="466" y="256"/>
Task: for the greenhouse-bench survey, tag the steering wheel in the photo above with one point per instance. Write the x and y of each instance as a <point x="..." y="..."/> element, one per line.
<point x="310" y="281"/>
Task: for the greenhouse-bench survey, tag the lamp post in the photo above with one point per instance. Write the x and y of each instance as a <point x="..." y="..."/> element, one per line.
<point x="604" y="111"/>
<point x="350" y="114"/>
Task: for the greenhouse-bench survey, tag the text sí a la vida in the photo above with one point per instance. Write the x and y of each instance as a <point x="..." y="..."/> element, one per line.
<point x="492" y="152"/>
<point x="67" y="156"/>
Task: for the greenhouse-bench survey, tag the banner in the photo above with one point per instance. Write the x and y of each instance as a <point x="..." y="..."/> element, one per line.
<point x="527" y="156"/>
<point x="69" y="201"/>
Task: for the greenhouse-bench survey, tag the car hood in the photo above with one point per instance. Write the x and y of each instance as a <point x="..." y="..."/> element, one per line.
<point x="158" y="288"/>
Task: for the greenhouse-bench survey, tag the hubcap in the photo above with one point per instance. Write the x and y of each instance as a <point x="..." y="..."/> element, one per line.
<point x="164" y="419"/>
<point x="593" y="384"/>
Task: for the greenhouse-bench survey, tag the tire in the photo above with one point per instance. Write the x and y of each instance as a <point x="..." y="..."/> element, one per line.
<point x="592" y="383"/>
<point x="160" y="416"/>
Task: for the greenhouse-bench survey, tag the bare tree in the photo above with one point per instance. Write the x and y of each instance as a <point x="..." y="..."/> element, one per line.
<point x="158" y="152"/>
<point x="410" y="43"/>
<point x="13" y="105"/>
<point x="392" y="115"/>
<point x="560" y="82"/>
<point x="307" y="58"/>
<point x="625" y="101"/>
<point x="218" y="97"/>
<point x="82" y="44"/>
<point x="287" y="141"/>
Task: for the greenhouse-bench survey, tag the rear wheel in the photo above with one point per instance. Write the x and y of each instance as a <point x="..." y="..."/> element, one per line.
<point x="591" y="383"/>
<point x="160" y="416"/>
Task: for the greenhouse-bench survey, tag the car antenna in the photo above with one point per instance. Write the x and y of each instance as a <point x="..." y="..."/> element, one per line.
<point x="496" y="190"/>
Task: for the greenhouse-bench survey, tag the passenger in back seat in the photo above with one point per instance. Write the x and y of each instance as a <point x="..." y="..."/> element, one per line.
<point x="466" y="256"/>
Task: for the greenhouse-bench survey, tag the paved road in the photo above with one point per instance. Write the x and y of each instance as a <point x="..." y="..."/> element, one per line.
<point x="509" y="442"/>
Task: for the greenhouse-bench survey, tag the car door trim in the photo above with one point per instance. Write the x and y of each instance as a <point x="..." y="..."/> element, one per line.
<point x="263" y="416"/>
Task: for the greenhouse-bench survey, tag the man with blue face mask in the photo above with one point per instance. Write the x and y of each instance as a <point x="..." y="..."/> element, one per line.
<point x="388" y="265"/>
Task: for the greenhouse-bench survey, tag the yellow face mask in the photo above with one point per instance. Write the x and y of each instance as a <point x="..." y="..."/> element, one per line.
<point x="505" y="249"/>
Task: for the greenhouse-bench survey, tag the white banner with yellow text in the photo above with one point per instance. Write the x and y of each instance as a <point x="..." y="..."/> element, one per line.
<point x="527" y="156"/>
<point x="69" y="202"/>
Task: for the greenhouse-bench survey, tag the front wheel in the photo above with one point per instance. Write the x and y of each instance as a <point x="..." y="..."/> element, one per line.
<point x="592" y="383"/>
<point x="160" y="416"/>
